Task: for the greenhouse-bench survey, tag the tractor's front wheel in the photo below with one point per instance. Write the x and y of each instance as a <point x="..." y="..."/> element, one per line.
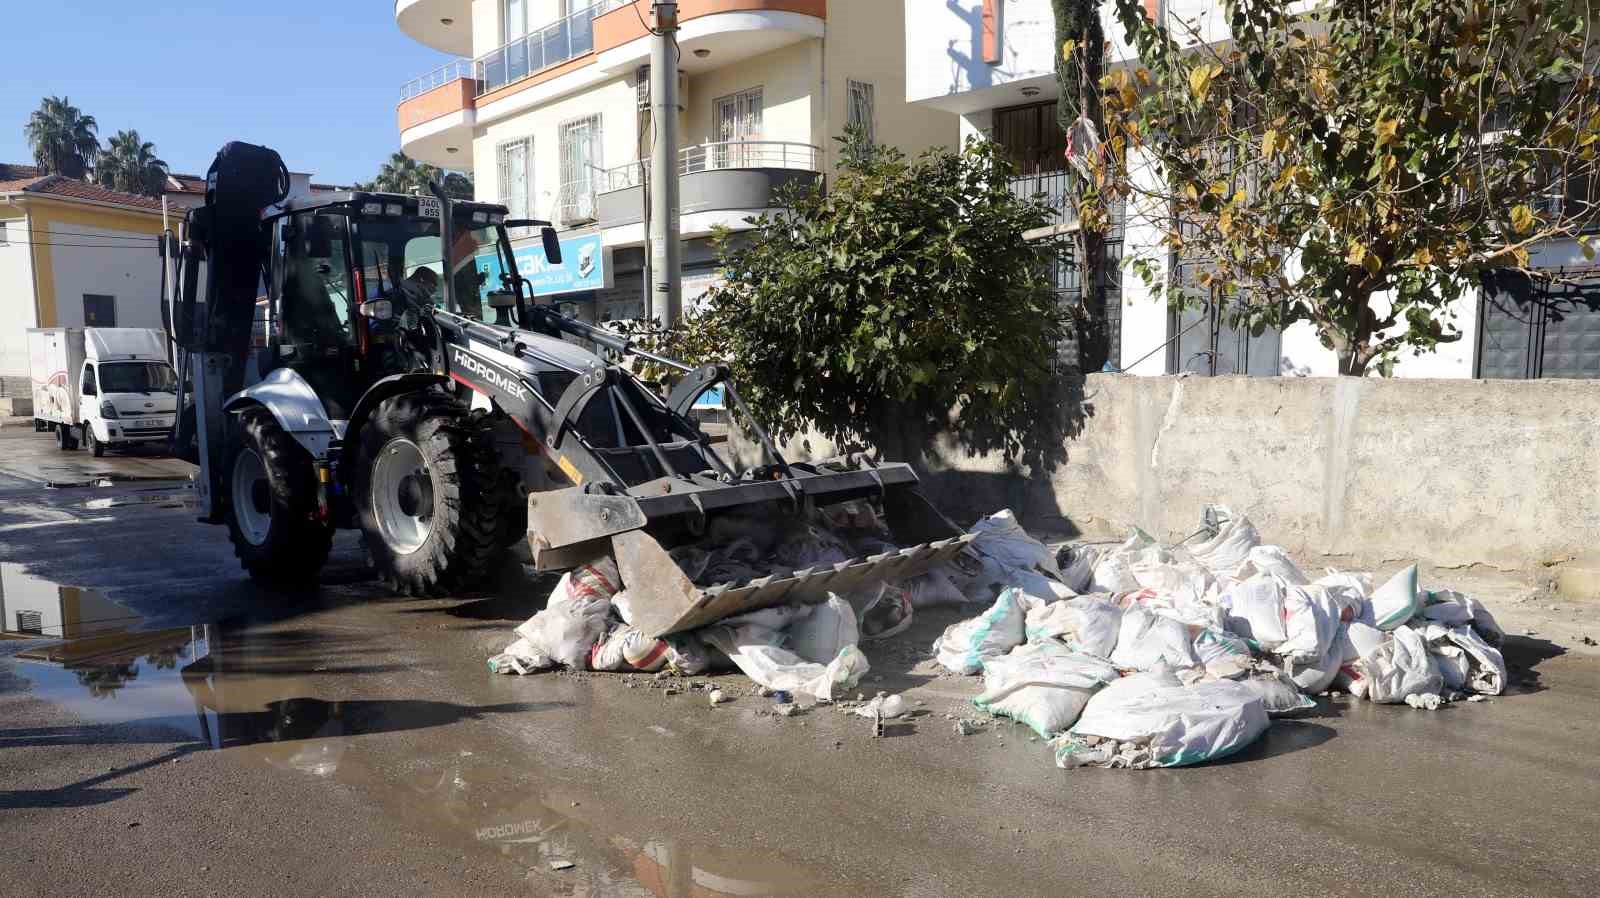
<point x="271" y="494"/>
<point x="427" y="492"/>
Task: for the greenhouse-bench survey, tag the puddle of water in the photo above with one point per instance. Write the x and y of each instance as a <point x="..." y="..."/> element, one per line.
<point x="33" y="607"/>
<point x="255" y="694"/>
<point x="183" y="499"/>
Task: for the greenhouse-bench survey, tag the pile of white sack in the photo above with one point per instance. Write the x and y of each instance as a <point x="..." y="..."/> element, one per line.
<point x="803" y="649"/>
<point x="1145" y="655"/>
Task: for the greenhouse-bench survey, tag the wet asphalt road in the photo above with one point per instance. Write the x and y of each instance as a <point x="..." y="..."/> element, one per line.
<point x="200" y="735"/>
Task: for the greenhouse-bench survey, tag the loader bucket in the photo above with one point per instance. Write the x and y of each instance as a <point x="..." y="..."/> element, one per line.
<point x="569" y="527"/>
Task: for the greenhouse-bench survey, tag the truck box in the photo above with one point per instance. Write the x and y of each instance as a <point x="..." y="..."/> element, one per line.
<point x="55" y="365"/>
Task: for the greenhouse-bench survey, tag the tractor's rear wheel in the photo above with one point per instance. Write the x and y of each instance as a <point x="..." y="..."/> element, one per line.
<point x="270" y="489"/>
<point x="427" y="491"/>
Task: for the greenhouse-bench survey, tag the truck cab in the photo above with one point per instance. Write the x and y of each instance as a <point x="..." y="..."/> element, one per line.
<point x="128" y="393"/>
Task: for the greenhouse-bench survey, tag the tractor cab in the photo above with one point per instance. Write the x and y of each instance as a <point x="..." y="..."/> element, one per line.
<point x="352" y="276"/>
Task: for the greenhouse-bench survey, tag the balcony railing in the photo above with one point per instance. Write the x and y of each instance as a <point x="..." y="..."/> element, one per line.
<point x="576" y="203"/>
<point x="719" y="156"/>
<point x="565" y="39"/>
<point x="439" y="77"/>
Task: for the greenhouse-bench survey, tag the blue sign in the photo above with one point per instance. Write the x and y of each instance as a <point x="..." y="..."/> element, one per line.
<point x="583" y="266"/>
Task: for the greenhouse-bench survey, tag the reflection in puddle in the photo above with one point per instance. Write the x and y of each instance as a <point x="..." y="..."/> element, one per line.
<point x="183" y="499"/>
<point x="253" y="693"/>
<point x="32" y="607"/>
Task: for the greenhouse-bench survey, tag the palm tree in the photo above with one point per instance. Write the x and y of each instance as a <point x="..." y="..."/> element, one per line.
<point x="402" y="174"/>
<point x="64" y="140"/>
<point x="130" y="165"/>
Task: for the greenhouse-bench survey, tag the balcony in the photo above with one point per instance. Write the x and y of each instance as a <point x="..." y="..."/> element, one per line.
<point x="558" y="43"/>
<point x="436" y="115"/>
<point x="738" y="178"/>
<point x="444" y="25"/>
<point x="731" y="30"/>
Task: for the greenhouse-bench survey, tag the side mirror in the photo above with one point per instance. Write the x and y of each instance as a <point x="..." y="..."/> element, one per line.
<point x="552" y="245"/>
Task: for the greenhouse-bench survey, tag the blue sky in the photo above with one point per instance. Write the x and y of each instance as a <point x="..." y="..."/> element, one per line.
<point x="317" y="80"/>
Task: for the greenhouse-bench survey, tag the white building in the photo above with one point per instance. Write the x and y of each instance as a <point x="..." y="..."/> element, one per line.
<point x="548" y="109"/>
<point x="72" y="254"/>
<point x="992" y="62"/>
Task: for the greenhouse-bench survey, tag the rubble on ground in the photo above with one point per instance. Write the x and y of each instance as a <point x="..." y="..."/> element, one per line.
<point x="1134" y="655"/>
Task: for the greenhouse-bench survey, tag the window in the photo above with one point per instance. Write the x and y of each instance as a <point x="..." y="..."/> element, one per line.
<point x="316" y="298"/>
<point x="99" y="310"/>
<point x="861" y="112"/>
<point x="513" y="19"/>
<point x="738" y="121"/>
<point x="138" y="377"/>
<point x="30" y="622"/>
<point x="580" y="168"/>
<point x="89" y="386"/>
<point x="516" y="177"/>
<point x="1031" y="138"/>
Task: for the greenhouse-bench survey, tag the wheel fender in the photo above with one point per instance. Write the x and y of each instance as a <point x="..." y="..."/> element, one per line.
<point x="294" y="404"/>
<point x="385" y="388"/>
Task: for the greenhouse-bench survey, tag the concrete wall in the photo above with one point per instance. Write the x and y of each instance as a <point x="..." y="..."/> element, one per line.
<point x="1448" y="472"/>
<point x="789" y="78"/>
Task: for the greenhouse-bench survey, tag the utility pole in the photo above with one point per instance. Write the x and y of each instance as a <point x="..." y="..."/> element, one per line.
<point x="666" y="252"/>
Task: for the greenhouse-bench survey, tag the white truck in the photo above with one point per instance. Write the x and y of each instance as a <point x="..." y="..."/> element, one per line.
<point x="103" y="387"/>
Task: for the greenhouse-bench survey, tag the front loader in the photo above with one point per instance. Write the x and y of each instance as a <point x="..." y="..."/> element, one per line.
<point x="341" y="375"/>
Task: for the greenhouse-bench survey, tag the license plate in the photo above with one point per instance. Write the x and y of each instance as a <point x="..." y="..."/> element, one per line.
<point x="148" y="423"/>
<point x="428" y="207"/>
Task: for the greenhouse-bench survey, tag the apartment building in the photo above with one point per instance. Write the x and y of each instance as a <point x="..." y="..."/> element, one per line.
<point x="992" y="63"/>
<point x="548" y="107"/>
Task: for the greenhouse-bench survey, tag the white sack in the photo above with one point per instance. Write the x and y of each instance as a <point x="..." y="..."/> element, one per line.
<point x="1400" y="667"/>
<point x="1313" y="675"/>
<point x="1397" y="600"/>
<point x="934" y="588"/>
<point x="1361" y="641"/>
<point x="756" y="652"/>
<point x="1279" y="693"/>
<point x="1000" y="537"/>
<point x="1146" y="639"/>
<point x="1224" y="655"/>
<point x="1076" y="564"/>
<point x="1310" y="622"/>
<point x="1087" y="624"/>
<point x="1113" y="573"/>
<point x="568" y="627"/>
<point x="1254" y="610"/>
<point x="828" y="628"/>
<point x="964" y="647"/>
<point x="1230" y="547"/>
<point x="520" y="658"/>
<point x="1272" y="560"/>
<point x="1174" y="725"/>
<point x="1042" y="685"/>
<point x="1448" y="607"/>
<point x="1454" y="666"/>
<point x="1173" y="573"/>
<point x="1488" y="666"/>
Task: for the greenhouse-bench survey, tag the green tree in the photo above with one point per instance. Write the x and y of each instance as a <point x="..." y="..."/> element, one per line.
<point x="1359" y="165"/>
<point x="1081" y="114"/>
<point x="899" y="303"/>
<point x="129" y="164"/>
<point x="402" y="174"/>
<point x="62" y="137"/>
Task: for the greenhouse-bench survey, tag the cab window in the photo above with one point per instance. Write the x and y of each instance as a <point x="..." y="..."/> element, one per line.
<point x="89" y="386"/>
<point x="316" y="291"/>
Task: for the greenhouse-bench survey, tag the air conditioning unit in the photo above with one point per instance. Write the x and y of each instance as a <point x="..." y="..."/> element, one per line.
<point x="641" y="88"/>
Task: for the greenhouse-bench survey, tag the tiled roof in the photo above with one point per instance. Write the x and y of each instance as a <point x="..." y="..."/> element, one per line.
<point x="187" y="183"/>
<point x="16" y="177"/>
<point x="69" y="188"/>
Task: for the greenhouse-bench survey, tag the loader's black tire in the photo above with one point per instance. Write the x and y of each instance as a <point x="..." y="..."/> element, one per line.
<point x="95" y="447"/>
<point x="291" y="547"/>
<point x="437" y="529"/>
